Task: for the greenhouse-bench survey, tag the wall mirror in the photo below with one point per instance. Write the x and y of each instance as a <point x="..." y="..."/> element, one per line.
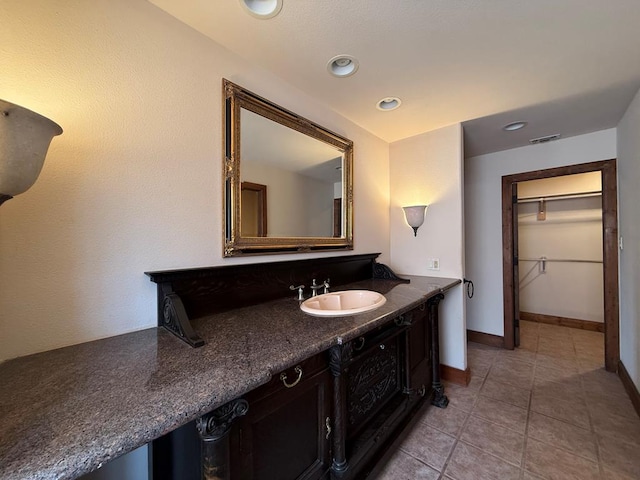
<point x="288" y="182"/>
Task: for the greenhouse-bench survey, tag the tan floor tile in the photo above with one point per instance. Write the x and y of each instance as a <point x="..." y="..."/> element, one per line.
<point x="556" y="374"/>
<point x="574" y="412"/>
<point x="491" y="438"/>
<point x="600" y="381"/>
<point x="600" y="389"/>
<point x="611" y="425"/>
<point x="615" y="404"/>
<point x="480" y="346"/>
<point x="560" y="434"/>
<point x="428" y="445"/>
<point x="404" y="467"/>
<point x="530" y="476"/>
<point x="501" y="413"/>
<point x="506" y="393"/>
<point x="481" y="355"/>
<point x="513" y="372"/>
<point x="620" y="457"/>
<point x="479" y="370"/>
<point x="529" y="343"/>
<point x="586" y="365"/>
<point x="553" y="351"/>
<point x="558" y="343"/>
<point x="448" y="420"/>
<point x="520" y="354"/>
<point x="461" y="397"/>
<point x="559" y="363"/>
<point x="550" y="462"/>
<point x="554" y="331"/>
<point x="568" y="390"/>
<point x="589" y="349"/>
<point x="610" y="474"/>
<point x="469" y="463"/>
<point x="586" y="335"/>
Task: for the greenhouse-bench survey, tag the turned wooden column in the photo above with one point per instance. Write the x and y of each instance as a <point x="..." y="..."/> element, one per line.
<point x="338" y="356"/>
<point x="439" y="399"/>
<point x="213" y="429"/>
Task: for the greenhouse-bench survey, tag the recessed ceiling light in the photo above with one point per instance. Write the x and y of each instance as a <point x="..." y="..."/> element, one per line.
<point x="262" y="8"/>
<point x="388" y="103"/>
<point x="343" y="65"/>
<point x="510" y="127"/>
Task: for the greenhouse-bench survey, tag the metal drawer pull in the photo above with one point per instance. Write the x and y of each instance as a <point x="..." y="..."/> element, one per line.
<point x="382" y="346"/>
<point x="422" y="391"/>
<point x="283" y="377"/>
<point x="328" y="424"/>
<point x="360" y="346"/>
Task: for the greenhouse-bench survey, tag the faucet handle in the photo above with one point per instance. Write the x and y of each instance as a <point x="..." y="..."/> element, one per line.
<point x="300" y="289"/>
<point x="326" y="285"/>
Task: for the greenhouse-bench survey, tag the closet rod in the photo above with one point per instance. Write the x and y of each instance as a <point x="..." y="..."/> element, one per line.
<point x="561" y="196"/>
<point x="557" y="260"/>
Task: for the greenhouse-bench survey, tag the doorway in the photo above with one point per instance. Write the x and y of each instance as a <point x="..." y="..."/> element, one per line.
<point x="607" y="169"/>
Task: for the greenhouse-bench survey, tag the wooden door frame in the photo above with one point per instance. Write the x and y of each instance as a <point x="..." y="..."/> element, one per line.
<point x="609" y="250"/>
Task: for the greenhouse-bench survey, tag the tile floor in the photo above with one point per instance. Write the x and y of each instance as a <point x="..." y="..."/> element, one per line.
<point x="547" y="410"/>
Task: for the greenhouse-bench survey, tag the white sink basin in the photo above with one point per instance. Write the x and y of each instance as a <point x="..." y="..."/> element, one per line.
<point x="347" y="302"/>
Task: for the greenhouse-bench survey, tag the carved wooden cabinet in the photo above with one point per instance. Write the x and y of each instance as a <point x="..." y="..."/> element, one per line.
<point x="287" y="430"/>
<point x="419" y="357"/>
<point x="370" y="401"/>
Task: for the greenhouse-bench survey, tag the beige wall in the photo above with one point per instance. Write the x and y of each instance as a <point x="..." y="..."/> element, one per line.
<point x="483" y="213"/>
<point x="427" y="169"/>
<point x="629" y="230"/>
<point x="134" y="182"/>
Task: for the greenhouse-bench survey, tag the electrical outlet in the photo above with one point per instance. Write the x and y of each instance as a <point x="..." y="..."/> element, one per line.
<point x="433" y="264"/>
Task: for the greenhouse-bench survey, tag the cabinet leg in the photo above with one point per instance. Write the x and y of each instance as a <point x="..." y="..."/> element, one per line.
<point x="213" y="429"/>
<point x="439" y="399"/>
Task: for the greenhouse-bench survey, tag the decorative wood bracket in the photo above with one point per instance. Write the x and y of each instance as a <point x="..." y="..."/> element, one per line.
<point x="217" y="423"/>
<point x="175" y="320"/>
<point x="213" y="429"/>
<point x="383" y="272"/>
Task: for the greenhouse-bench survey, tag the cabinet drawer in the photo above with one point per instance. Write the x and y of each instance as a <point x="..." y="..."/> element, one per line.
<point x="290" y="377"/>
<point x="372" y="339"/>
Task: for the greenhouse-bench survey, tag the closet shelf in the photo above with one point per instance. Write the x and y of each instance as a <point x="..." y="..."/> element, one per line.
<point x="562" y="196"/>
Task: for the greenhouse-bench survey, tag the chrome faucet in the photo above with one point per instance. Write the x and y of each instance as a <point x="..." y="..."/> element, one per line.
<point x="300" y="289"/>
<point x="315" y="287"/>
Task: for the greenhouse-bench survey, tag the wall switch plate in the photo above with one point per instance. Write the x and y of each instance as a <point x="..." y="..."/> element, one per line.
<point x="433" y="264"/>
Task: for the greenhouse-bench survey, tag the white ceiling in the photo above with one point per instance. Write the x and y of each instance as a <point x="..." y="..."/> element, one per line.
<point x="564" y="66"/>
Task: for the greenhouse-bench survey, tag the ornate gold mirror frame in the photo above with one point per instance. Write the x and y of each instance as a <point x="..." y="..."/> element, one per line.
<point x="340" y="224"/>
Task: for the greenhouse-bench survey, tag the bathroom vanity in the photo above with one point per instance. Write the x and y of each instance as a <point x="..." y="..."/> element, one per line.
<point x="331" y="414"/>
<point x="69" y="411"/>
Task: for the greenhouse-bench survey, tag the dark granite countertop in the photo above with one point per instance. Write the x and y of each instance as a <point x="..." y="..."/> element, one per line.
<point x="66" y="412"/>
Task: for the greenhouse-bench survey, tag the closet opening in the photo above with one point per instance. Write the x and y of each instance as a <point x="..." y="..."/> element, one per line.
<point x="560" y="258"/>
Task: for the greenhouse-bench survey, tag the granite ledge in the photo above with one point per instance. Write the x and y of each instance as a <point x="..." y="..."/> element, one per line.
<point x="68" y="411"/>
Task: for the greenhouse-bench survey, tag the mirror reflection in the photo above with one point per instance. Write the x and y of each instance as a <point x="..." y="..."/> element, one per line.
<point x="303" y="178"/>
<point x="288" y="181"/>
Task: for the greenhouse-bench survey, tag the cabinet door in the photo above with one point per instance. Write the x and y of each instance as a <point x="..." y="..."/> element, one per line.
<point x="285" y="435"/>
<point x="419" y="354"/>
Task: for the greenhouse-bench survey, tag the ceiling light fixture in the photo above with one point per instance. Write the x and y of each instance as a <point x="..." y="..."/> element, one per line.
<point x="389" y="103"/>
<point x="343" y="66"/>
<point x="262" y="9"/>
<point x="510" y="127"/>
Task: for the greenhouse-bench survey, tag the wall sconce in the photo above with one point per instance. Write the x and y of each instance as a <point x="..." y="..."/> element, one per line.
<point x="25" y="137"/>
<point x="415" y="216"/>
